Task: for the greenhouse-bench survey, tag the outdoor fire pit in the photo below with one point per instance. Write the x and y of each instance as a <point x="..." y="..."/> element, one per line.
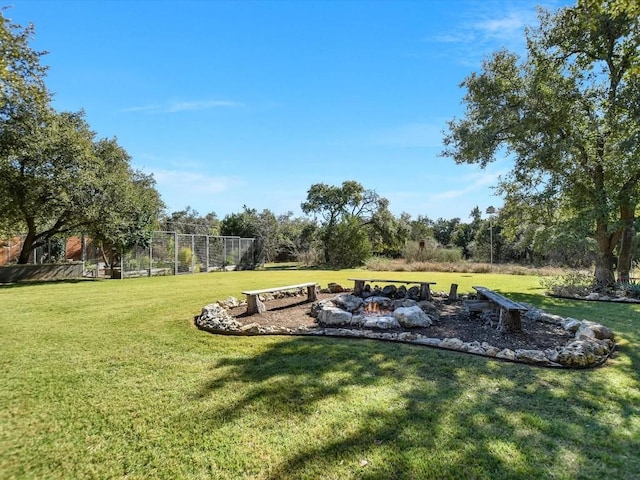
<point x="545" y="339"/>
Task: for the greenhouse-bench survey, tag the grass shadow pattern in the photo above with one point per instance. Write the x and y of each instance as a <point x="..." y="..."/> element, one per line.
<point x="405" y="412"/>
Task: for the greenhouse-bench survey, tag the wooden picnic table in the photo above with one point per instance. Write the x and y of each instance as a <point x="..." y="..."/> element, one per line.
<point x="425" y="289"/>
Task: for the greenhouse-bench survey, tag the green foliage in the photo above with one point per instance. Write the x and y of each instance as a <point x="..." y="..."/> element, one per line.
<point x="566" y="115"/>
<point x="56" y="177"/>
<point x="431" y="252"/>
<point x="343" y="207"/>
<point x="573" y="283"/>
<point x="348" y="245"/>
<point x="189" y="221"/>
<point x="630" y="289"/>
<point x="21" y="73"/>
<point x="184" y="256"/>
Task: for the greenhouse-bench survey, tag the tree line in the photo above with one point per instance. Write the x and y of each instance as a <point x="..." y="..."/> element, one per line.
<point x="567" y="113"/>
<point x="346" y="225"/>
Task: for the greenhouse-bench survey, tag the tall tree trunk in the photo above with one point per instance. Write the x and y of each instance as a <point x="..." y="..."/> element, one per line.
<point x="607" y="241"/>
<point x="27" y="247"/>
<point x="626" y="244"/>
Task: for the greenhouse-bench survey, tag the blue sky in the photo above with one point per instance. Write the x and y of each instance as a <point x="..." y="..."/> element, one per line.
<point x="251" y="102"/>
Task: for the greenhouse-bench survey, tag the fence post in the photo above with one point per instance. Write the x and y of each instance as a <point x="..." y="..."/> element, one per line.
<point x="207" y="255"/>
<point x="175" y="252"/>
<point x="193" y="253"/>
<point x="151" y="255"/>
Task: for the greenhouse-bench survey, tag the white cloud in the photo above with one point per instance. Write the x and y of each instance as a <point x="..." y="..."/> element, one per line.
<point x="180" y="188"/>
<point x="487" y="27"/>
<point x="193" y="183"/>
<point x="410" y="136"/>
<point x="472" y="182"/>
<point x="184" y="106"/>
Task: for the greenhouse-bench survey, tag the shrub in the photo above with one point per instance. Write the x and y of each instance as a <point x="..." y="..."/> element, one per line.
<point x="431" y="252"/>
<point x="349" y="246"/>
<point x="573" y="283"/>
<point x="630" y="289"/>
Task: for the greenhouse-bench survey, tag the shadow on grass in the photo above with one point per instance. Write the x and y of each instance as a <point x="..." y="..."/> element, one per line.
<point x="419" y="413"/>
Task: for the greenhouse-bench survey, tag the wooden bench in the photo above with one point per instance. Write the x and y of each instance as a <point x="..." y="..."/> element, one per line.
<point x="509" y="310"/>
<point x="425" y="290"/>
<point x="252" y="295"/>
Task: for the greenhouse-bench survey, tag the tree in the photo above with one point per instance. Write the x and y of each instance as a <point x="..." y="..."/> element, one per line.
<point x="345" y="204"/>
<point x="129" y="205"/>
<point x="189" y="221"/>
<point x="58" y="180"/>
<point x="21" y="74"/>
<point x="55" y="177"/>
<point x="349" y="245"/>
<point x="569" y="116"/>
<point x="262" y="226"/>
<point x="443" y="230"/>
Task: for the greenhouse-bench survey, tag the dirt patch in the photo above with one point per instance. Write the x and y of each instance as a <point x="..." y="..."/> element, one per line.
<point x="453" y="322"/>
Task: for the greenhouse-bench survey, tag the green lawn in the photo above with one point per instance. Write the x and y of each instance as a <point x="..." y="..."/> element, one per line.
<point x="109" y="379"/>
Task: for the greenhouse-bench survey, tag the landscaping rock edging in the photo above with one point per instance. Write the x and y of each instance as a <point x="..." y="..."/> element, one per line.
<point x="591" y="345"/>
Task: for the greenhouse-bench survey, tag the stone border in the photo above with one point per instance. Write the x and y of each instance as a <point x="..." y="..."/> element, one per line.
<point x="596" y="297"/>
<point x="592" y="345"/>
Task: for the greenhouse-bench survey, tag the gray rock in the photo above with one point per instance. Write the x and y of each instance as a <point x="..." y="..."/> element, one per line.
<point x="531" y="356"/>
<point x="381" y="322"/>
<point x="260" y="306"/>
<point x="428" y="307"/>
<point x="452" y="343"/>
<point x="215" y="318"/>
<point x="383" y="302"/>
<point x="549" y="318"/>
<point x="230" y="302"/>
<point x="474" y="347"/>
<point x="334" y="316"/>
<point x="412" y="317"/>
<point x="431" y="341"/>
<point x="506" y="354"/>
<point x="571" y="325"/>
<point x="489" y="350"/>
<point x="348" y="302"/>
<point x="320" y="305"/>
<point x="594" y="330"/>
<point x="404" y="302"/>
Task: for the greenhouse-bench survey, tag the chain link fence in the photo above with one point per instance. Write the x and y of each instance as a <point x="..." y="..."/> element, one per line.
<point x="168" y="253"/>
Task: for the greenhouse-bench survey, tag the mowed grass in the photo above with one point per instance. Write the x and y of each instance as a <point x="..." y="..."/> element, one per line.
<point x="109" y="379"/>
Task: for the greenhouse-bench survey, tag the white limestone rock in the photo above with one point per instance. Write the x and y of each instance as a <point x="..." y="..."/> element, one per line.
<point x="531" y="356"/>
<point x="412" y="317"/>
<point x="334" y="316"/>
<point x="507" y="354"/>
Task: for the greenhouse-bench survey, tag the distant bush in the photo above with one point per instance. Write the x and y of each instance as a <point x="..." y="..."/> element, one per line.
<point x="573" y="283"/>
<point x="311" y="257"/>
<point x="382" y="264"/>
<point x="630" y="289"/>
<point x="430" y="252"/>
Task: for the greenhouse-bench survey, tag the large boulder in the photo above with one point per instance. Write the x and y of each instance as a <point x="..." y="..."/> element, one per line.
<point x="215" y="318"/>
<point x="348" y="302"/>
<point x="412" y="317"/>
<point x="383" y="322"/>
<point x="334" y="316"/>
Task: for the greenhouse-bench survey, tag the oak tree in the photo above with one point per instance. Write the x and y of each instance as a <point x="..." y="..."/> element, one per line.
<point x="569" y="116"/>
